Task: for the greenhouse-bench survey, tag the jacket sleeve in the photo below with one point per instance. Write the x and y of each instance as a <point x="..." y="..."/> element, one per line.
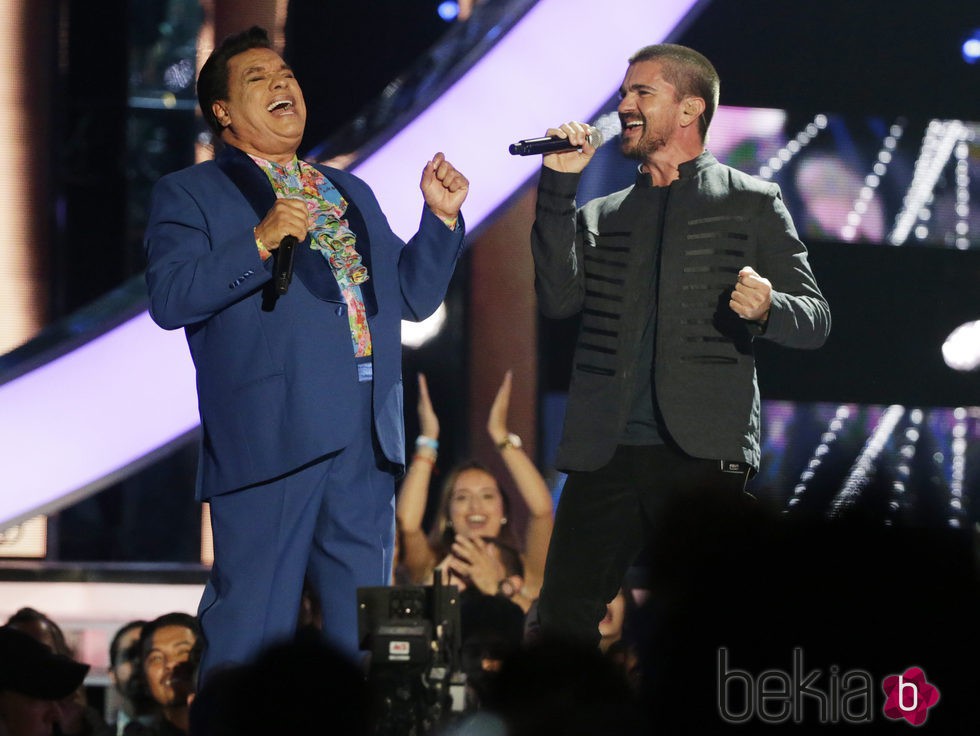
<point x="426" y="265"/>
<point x="799" y="316"/>
<point x="557" y="246"/>
<point x="193" y="273"/>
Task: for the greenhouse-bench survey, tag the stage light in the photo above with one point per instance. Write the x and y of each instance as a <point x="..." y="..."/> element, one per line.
<point x="940" y="143"/>
<point x="791" y="149"/>
<point x="971" y="48"/>
<point x="416" y="334"/>
<point x="448" y="11"/>
<point x="961" y="351"/>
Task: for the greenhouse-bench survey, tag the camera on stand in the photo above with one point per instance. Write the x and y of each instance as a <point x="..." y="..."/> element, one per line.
<point x="413" y="636"/>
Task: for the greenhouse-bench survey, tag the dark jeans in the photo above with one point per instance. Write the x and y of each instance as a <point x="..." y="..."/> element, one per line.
<point x="604" y="520"/>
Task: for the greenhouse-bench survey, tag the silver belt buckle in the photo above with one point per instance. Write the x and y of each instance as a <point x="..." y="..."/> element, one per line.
<point x="732" y="466"/>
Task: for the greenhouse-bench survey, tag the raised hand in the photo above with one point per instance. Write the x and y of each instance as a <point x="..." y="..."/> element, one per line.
<point x="477" y="562"/>
<point x="497" y="420"/>
<point x="443" y="187"/>
<point x="571" y="162"/>
<point x="428" y="421"/>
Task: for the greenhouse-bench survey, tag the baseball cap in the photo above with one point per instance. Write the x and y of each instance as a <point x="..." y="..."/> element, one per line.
<point x="28" y="667"/>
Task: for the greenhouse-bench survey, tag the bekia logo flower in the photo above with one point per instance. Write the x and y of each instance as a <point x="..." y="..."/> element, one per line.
<point x="909" y="696"/>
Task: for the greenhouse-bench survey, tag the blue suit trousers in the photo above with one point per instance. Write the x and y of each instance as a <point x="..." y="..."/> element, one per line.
<point x="332" y="520"/>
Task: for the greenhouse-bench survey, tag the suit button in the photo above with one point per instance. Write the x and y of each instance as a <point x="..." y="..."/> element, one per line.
<point x="341" y="310"/>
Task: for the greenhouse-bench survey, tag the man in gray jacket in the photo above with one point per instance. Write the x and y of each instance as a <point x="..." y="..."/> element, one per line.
<point x="673" y="277"/>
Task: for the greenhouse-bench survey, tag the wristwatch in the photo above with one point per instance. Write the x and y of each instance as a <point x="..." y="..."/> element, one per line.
<point x="511" y="440"/>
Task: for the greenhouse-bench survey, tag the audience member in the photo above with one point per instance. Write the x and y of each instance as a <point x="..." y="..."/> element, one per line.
<point x="472" y="509"/>
<point x="170" y="652"/>
<point x="310" y="609"/>
<point x="507" y="570"/>
<point x="38" y="625"/>
<point x="76" y="717"/>
<point x="618" y="639"/>
<point x="34" y="681"/>
<point x="512" y="585"/>
<point x="611" y="625"/>
<point x="562" y="687"/>
<point x="491" y="626"/>
<point x="298" y="687"/>
<point x="124" y="660"/>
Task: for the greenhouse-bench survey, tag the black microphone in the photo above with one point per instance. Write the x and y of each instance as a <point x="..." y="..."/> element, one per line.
<point x="282" y="274"/>
<point x="551" y="144"/>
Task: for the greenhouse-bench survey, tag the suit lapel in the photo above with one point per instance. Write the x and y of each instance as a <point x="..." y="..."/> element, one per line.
<point x="308" y="265"/>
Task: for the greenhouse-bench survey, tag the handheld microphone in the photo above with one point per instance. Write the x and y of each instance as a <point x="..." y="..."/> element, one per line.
<point x="282" y="273"/>
<point x="551" y="144"/>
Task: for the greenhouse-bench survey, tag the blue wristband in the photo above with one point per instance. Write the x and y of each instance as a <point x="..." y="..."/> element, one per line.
<point x="423" y="441"/>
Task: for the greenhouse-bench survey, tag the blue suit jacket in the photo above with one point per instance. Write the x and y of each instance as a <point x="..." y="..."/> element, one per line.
<point x="274" y="387"/>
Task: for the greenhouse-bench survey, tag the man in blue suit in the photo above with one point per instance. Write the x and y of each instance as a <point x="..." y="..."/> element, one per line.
<point x="300" y="393"/>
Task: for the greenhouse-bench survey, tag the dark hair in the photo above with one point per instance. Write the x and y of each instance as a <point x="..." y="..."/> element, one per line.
<point x="293" y="687"/>
<point x="27" y="615"/>
<point x="691" y="74"/>
<point x="133" y="688"/>
<point x="167" y="619"/>
<point x="212" y="82"/>
<point x="117" y="640"/>
<point x="140" y="686"/>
